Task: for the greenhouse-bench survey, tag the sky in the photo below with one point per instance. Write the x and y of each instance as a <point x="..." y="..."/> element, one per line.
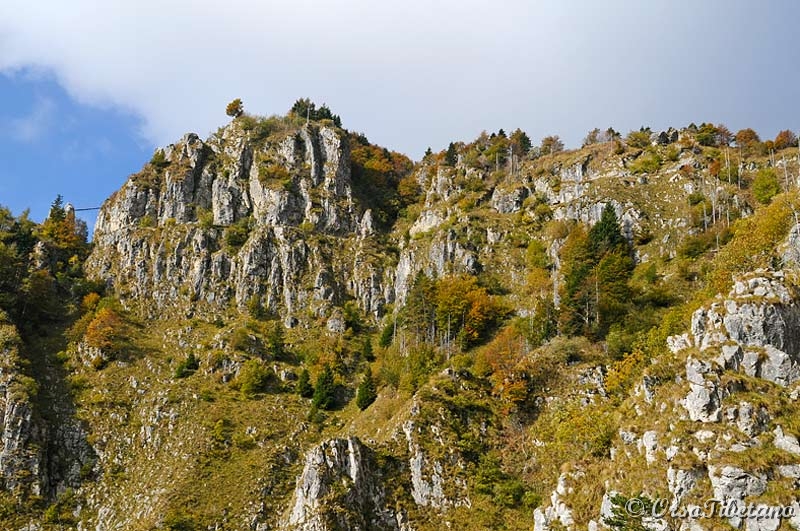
<point x="89" y="88"/>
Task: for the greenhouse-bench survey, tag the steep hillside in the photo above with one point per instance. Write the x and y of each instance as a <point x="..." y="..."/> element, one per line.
<point x="287" y="327"/>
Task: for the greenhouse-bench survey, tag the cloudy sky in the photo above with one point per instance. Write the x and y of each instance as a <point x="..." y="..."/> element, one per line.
<point x="88" y="88"/>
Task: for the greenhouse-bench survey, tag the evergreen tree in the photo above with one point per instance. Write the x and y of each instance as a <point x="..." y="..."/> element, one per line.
<point x="366" y="394"/>
<point x="451" y="157"/>
<point x="304" y="387"/>
<point x="419" y="313"/>
<point x="606" y="236"/>
<point x="520" y="142"/>
<point x="304" y="108"/>
<point x="324" y="390"/>
<point x="367" y="351"/>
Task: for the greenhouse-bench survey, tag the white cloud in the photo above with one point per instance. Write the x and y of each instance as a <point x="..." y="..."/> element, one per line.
<point x="34" y="125"/>
<point x="410" y="73"/>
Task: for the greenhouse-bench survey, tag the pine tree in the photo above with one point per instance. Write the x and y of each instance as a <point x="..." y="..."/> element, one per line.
<point x="367" y="351"/>
<point x="366" y="394"/>
<point x="606" y="236"/>
<point x="304" y="387"/>
<point x="451" y="157"/>
<point x="324" y="390"/>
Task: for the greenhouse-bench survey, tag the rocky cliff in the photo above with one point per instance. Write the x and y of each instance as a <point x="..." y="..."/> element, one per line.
<point x="232" y="220"/>
<point x="186" y="386"/>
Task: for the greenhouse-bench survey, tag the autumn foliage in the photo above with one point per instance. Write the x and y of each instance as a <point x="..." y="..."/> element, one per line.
<point x="106" y="331"/>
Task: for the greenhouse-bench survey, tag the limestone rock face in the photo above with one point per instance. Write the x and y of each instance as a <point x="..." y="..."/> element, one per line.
<point x="21" y="459"/>
<point x="233" y="219"/>
<point x="36" y="459"/>
<point x="340" y="488"/>
<point x="754" y="331"/>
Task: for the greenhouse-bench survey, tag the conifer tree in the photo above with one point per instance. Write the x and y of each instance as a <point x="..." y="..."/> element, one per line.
<point x="366" y="394"/>
<point x="304" y="387"/>
<point x="369" y="355"/>
<point x="324" y="390"/>
<point x="451" y="157"/>
<point x="606" y="235"/>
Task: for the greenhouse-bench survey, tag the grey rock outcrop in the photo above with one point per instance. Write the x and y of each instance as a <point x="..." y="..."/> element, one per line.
<point x="340" y="488"/>
<point x="234" y="219"/>
<point x="22" y="470"/>
<point x="754" y="331"/>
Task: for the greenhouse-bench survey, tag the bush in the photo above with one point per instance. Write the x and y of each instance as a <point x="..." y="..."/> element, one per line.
<point x="387" y="334"/>
<point x="765" y="185"/>
<point x="236" y="235"/>
<point x="649" y="162"/>
<point x="187" y="367"/>
<point x="252" y="378"/>
<point x="235" y="108"/>
<point x="106" y="331"/>
<point x="638" y="139"/>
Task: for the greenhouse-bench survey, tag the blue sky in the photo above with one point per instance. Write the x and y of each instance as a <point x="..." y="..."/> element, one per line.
<point x="51" y="145"/>
<point x="89" y="88"/>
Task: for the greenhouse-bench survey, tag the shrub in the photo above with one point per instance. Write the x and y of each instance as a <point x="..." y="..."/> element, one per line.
<point x="765" y="185"/>
<point x="187" y="367"/>
<point x="638" y="139"/>
<point x="387" y="334"/>
<point x="235" y="108"/>
<point x="205" y="218"/>
<point x="106" y="331"/>
<point x="649" y="162"/>
<point x="252" y="378"/>
<point x="273" y="173"/>
<point x="159" y="160"/>
<point x="236" y="235"/>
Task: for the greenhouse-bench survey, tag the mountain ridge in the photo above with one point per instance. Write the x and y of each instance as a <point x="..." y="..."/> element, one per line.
<point x="545" y="334"/>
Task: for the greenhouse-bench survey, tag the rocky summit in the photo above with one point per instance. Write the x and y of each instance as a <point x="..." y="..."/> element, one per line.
<point x="287" y="327"/>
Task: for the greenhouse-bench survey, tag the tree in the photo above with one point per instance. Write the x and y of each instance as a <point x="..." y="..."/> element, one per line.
<point x="765" y="185"/>
<point x="578" y="295"/>
<point x="366" y="394"/>
<point x="606" y="235"/>
<point x="785" y="139"/>
<point x="592" y="137"/>
<point x="367" y="350"/>
<point x="252" y="378"/>
<point x="235" y="108"/>
<point x="706" y="135"/>
<point x="724" y="135"/>
<point x="451" y="157"/>
<point x="304" y="387"/>
<point x="639" y="139"/>
<point x="520" y="143"/>
<point x="324" y="390"/>
<point x="307" y="109"/>
<point x="749" y="141"/>
<point x="551" y="144"/>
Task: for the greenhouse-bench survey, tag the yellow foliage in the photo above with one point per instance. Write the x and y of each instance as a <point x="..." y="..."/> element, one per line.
<point x="754" y="241"/>
<point x="621" y="374"/>
<point x="105" y="331"/>
<point x="90" y="301"/>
